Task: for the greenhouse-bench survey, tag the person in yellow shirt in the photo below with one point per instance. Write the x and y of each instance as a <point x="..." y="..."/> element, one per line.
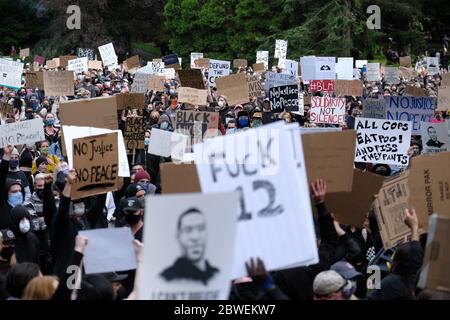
<point x="52" y="160"/>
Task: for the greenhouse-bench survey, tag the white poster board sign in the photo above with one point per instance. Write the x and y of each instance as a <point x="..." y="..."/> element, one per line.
<point x="373" y="72"/>
<point x="345" y="69"/>
<point x="195" y="56"/>
<point x="108" y="54"/>
<point x="217" y="68"/>
<point x="78" y="65"/>
<point x="10" y="73"/>
<point x="23" y="132"/>
<point x="435" y="137"/>
<point x="263" y="57"/>
<point x="281" y="49"/>
<point x="168" y="144"/>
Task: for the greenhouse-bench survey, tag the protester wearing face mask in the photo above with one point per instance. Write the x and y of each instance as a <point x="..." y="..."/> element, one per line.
<point x="257" y="120"/>
<point x="231" y="127"/>
<point x="348" y="272"/>
<point x="26" y="244"/>
<point x="51" y="132"/>
<point x="51" y="160"/>
<point x="143" y="179"/>
<point x="134" y="212"/>
<point x="35" y="204"/>
<point x="15" y="173"/>
<point x="164" y="123"/>
<point x="243" y="121"/>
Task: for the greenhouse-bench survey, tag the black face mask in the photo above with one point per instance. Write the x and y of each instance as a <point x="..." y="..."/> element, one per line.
<point x="132" y="219"/>
<point x="40" y="193"/>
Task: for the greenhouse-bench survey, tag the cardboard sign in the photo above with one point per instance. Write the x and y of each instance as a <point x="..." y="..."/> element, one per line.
<point x="405" y="61"/>
<point x="344" y="206"/>
<point x="95" y="112"/>
<point x="34" y="80"/>
<point x="179" y="178"/>
<point x="96" y="161"/>
<point x="373" y="72"/>
<point x="327" y="110"/>
<point x="109" y="250"/>
<point x="406" y="73"/>
<point x="96" y="65"/>
<point x="130" y="100"/>
<point x="23" y="132"/>
<point x="258" y="67"/>
<point x="195" y="56"/>
<point x="168" y="144"/>
<point x="108" y="54"/>
<point x="156" y="83"/>
<point x="414" y="91"/>
<point x="434" y="274"/>
<point x="64" y="60"/>
<point x="435" y="137"/>
<point x="414" y="109"/>
<point x="10" y="74"/>
<point x="344" y="68"/>
<point x="53" y="64"/>
<point x="445" y="79"/>
<point x="321" y="86"/>
<point x="171" y="61"/>
<point x="262" y="57"/>
<point x="24" y="53"/>
<point x="281" y="49"/>
<point x="134" y="133"/>
<point x="330" y="156"/>
<point x="234" y="87"/>
<point x="255" y="88"/>
<point x="391" y="75"/>
<point x="202" y="63"/>
<point x="274" y="79"/>
<point x="217" y="69"/>
<point x="265" y="173"/>
<point x="284" y="98"/>
<point x="59" y="83"/>
<point x="443" y="98"/>
<point x="191" y="78"/>
<point x="197" y="124"/>
<point x="348" y="88"/>
<point x="86" y="52"/>
<point x="192" y="96"/>
<point x="360" y="63"/>
<point x="240" y="63"/>
<point x="374" y="108"/>
<point x="382" y="141"/>
<point x="132" y="63"/>
<point x="39" y="59"/>
<point x="78" y="65"/>
<point x="195" y="229"/>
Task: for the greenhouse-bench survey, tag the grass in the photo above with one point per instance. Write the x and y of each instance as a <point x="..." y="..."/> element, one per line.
<point x="147" y="47"/>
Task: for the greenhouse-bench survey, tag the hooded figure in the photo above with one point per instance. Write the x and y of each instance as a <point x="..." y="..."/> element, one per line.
<point x="9" y="200"/>
<point x="26" y="244"/>
<point x="15" y="173"/>
<point x="164" y="123"/>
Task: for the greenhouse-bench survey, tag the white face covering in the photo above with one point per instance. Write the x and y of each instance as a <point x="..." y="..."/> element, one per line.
<point x="24" y="225"/>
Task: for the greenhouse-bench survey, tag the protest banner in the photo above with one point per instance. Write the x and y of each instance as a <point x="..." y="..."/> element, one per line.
<point x="53" y="64"/>
<point x="360" y="63"/>
<point x="140" y="82"/>
<point x="445" y="79"/>
<point x="325" y="68"/>
<point x="234" y="87"/>
<point x="24" y="53"/>
<point x="64" y="60"/>
<point x="348" y="88"/>
<point x="174" y="220"/>
<point x="373" y="72"/>
<point x="432" y="65"/>
<point x="192" y="96"/>
<point x="321" y="86"/>
<point x="374" y="108"/>
<point x="10" y="73"/>
<point x="59" y="83"/>
<point x="39" y="59"/>
<point x="202" y="63"/>
<point x="443" y="98"/>
<point x="414" y="91"/>
<point x="343" y="205"/>
<point x="86" y="52"/>
<point x="168" y="144"/>
<point x="327" y="110"/>
<point x="391" y="75"/>
<point x="240" y="63"/>
<point x="108" y="54"/>
<point x="280" y="49"/>
<point x="34" y="80"/>
<point x="179" y="178"/>
<point x="5" y="108"/>
<point x="95" y="112"/>
<point x="255" y="88"/>
<point x="156" y="83"/>
<point x="96" y="65"/>
<point x="217" y="69"/>
<point x="130" y="100"/>
<point x="262" y="168"/>
<point x="23" y="132"/>
<point x="284" y="98"/>
<point x="330" y="156"/>
<point x="414" y="109"/>
<point x="258" y="67"/>
<point x="171" y="61"/>
<point x="191" y="78"/>
<point x="132" y="63"/>
<point x="186" y="123"/>
<point x="344" y="68"/>
<point x="263" y="57"/>
<point x="382" y="141"/>
<point x="109" y="250"/>
<point x="434" y="274"/>
<point x="96" y="162"/>
<point x="274" y="79"/>
<point x="435" y="137"/>
<point x="405" y="61"/>
<point x="134" y="133"/>
<point x="195" y="56"/>
<point x="78" y="65"/>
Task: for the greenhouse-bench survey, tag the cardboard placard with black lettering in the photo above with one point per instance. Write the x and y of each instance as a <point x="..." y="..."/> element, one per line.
<point x="34" y="80"/>
<point x="414" y="91"/>
<point x="192" y="96"/>
<point x="156" y="82"/>
<point x="130" y="100"/>
<point x="132" y="63"/>
<point x="255" y="87"/>
<point x="191" y="78"/>
<point x="64" y="60"/>
<point x="197" y="124"/>
<point x="96" y="162"/>
<point x="240" y="63"/>
<point x="59" y="83"/>
<point x="284" y="98"/>
<point x="134" y="134"/>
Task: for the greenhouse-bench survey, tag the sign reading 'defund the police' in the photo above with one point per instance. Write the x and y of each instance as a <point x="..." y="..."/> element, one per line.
<point x="261" y="166"/>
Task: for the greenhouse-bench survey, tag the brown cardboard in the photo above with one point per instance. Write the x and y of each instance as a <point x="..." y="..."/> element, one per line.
<point x="64" y="60"/>
<point x="156" y="82"/>
<point x="414" y="92"/>
<point x="53" y="64"/>
<point x="348" y="88"/>
<point x="134" y="134"/>
<point x="234" y="87"/>
<point x="240" y="63"/>
<point x="443" y="99"/>
<point x="179" y="178"/>
<point x="130" y="100"/>
<point x="351" y="208"/>
<point x="406" y="73"/>
<point x="436" y="261"/>
<point x="202" y="63"/>
<point x="405" y="61"/>
<point x="58" y="83"/>
<point x="330" y="156"/>
<point x="191" y="78"/>
<point x="255" y="86"/>
<point x="96" y="161"/>
<point x="95" y="64"/>
<point x="192" y="96"/>
<point x="24" y="53"/>
<point x="34" y="80"/>
<point x="445" y="79"/>
<point x="132" y="63"/>
<point x="259" y="67"/>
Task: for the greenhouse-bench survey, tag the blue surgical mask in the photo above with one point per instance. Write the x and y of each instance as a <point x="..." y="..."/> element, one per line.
<point x="164" y="126"/>
<point x="144" y="186"/>
<point x="15" y="199"/>
<point x="243" y="122"/>
<point x="50" y="122"/>
<point x="171" y="91"/>
<point x="146" y="141"/>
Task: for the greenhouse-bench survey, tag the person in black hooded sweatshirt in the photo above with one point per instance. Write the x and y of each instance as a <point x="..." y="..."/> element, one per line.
<point x="26" y="244"/>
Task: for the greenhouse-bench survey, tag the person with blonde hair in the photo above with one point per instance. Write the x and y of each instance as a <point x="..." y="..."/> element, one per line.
<point x="40" y="288"/>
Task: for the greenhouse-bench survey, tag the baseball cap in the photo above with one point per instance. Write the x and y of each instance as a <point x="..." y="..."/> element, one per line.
<point x="132" y="204"/>
<point x="345" y="269"/>
<point x="328" y="282"/>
